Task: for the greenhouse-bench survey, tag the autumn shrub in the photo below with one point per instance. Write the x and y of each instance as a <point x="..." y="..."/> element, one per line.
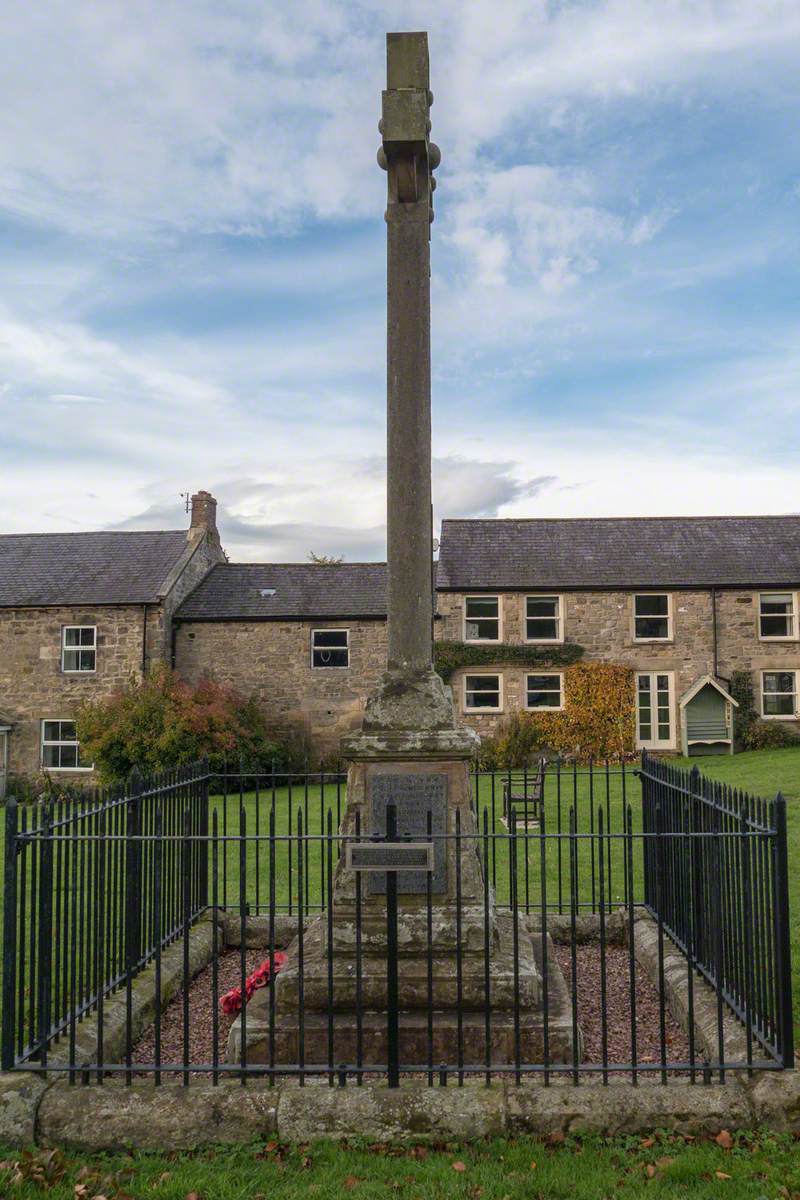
<point x="598" y="720"/>
<point x="162" y="722"/>
<point x="515" y="743"/>
<point x="599" y="715"/>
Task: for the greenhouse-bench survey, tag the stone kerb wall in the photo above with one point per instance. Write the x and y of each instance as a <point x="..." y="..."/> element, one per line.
<point x="272" y="660"/>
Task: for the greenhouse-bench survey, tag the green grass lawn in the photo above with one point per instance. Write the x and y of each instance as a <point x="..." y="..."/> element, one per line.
<point x="757" y="1167"/>
<point x="762" y="773"/>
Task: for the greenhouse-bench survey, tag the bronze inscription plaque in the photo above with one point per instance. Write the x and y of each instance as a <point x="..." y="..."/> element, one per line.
<point x="414" y="797"/>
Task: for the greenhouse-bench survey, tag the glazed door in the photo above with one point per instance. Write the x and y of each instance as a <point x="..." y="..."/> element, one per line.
<point x="655" y="719"/>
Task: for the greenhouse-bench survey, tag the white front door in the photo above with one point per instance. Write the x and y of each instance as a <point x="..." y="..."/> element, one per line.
<point x="655" y="720"/>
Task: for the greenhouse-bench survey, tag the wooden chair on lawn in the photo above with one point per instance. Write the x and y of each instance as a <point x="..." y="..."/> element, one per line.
<point x="525" y="796"/>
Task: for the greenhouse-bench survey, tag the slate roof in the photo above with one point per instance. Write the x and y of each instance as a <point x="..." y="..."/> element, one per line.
<point x="626" y="552"/>
<point x="232" y="592"/>
<point x="86" y="568"/>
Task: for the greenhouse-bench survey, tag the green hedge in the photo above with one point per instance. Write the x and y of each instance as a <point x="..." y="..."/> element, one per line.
<point x="448" y="657"/>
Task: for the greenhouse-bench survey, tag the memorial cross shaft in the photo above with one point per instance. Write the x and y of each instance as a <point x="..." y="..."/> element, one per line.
<point x="409" y="159"/>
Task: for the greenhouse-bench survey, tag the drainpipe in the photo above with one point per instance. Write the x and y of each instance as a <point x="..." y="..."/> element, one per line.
<point x="173" y="653"/>
<point x="144" y="640"/>
<point x="714" y="629"/>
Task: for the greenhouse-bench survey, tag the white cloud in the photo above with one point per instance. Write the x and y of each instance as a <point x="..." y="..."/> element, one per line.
<point x="156" y="116"/>
<point x="135" y="139"/>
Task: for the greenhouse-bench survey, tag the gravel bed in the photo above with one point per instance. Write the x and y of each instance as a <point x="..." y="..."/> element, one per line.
<point x="200" y="1014"/>
<point x="588" y="964"/>
<point x="618" y="1008"/>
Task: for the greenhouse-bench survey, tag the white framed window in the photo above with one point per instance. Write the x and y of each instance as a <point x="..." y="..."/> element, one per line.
<point x="79" y="649"/>
<point x="483" y="693"/>
<point x="61" y="749"/>
<point x="777" y="616"/>
<point x="482" y="619"/>
<point x="330" y="648"/>
<point x="543" y="619"/>
<point x="652" y="617"/>
<point x="655" y="718"/>
<point x="779" y="695"/>
<point x="545" y="690"/>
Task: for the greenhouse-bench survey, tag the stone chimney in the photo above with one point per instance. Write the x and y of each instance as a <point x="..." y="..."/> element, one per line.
<point x="204" y="516"/>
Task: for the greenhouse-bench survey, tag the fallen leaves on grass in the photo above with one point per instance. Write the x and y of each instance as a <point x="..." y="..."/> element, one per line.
<point x="724" y="1139"/>
<point x="459" y="1166"/>
<point x="44" y="1169"/>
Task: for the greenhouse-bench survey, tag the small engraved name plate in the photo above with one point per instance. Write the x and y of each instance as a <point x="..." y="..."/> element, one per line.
<point x="414" y="796"/>
<point x="389" y="856"/>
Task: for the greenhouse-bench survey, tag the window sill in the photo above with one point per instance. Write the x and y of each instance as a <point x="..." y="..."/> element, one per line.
<point x="783" y="640"/>
<point x="667" y="641"/>
<point x="472" y="712"/>
<point x="544" y="641"/>
<point x="68" y="770"/>
<point x="544" y="709"/>
<point x="782" y="717"/>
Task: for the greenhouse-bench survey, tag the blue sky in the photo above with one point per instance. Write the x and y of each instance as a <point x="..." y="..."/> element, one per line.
<point x="192" y="263"/>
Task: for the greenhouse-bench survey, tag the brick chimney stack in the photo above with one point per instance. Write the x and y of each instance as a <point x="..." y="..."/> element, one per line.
<point x="204" y="515"/>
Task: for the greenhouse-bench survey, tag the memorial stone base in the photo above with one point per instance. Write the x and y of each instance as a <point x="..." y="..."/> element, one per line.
<point x="420" y="773"/>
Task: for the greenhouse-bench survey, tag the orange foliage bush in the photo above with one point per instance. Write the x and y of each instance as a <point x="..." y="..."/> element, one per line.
<point x="598" y="721"/>
<point x="599" y="715"/>
<point x="161" y="722"/>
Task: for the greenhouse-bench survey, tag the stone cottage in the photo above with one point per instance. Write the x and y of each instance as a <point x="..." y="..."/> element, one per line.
<point x="80" y="615"/>
<point x="678" y="599"/>
<point x="308" y="639"/>
<point x="683" y="601"/>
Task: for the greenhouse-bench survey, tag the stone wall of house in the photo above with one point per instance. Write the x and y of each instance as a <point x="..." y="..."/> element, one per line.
<point x="206" y="554"/>
<point x="33" y="686"/>
<point x="272" y="660"/>
<point x="602" y="622"/>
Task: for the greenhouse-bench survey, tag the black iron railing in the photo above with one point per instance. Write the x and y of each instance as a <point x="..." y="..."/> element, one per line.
<point x="93" y="888"/>
<point x="560" y="792"/>
<point x="581" y="869"/>
<point x="716" y="880"/>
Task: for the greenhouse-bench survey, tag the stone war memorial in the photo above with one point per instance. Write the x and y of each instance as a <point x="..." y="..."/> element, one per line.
<point x="411" y="947"/>
<point x="409" y="776"/>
